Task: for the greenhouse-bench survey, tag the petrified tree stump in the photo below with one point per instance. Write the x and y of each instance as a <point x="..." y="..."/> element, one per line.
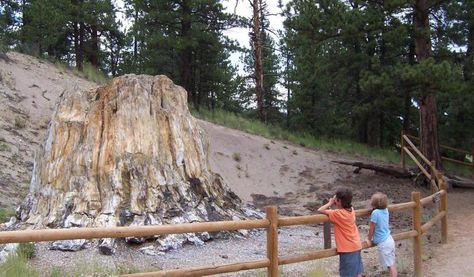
<point x="128" y="153"/>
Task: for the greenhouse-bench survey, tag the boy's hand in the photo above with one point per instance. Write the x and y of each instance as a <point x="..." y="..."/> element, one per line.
<point x="332" y="200"/>
<point x="366" y="243"/>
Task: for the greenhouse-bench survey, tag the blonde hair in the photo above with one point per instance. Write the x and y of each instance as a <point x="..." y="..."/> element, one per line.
<point x="379" y="200"/>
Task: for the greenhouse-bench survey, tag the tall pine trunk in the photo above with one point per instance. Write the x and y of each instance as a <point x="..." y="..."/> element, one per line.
<point x="407" y="94"/>
<point x="428" y="109"/>
<point x="186" y="53"/>
<point x="257" y="48"/>
<point x="94" y="55"/>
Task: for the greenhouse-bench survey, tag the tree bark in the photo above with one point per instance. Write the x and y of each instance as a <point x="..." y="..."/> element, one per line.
<point x="428" y="117"/>
<point x="186" y="54"/>
<point x="77" y="46"/>
<point x="94" y="54"/>
<point x="257" y="45"/>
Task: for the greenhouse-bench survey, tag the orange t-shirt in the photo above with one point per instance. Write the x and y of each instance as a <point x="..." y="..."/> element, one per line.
<point x="345" y="230"/>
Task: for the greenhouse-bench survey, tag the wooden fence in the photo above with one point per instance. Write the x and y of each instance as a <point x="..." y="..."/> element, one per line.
<point x="271" y="224"/>
<point x="405" y="141"/>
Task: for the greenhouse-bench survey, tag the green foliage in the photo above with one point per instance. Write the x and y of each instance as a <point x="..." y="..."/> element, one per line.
<point x="254" y="126"/>
<point x="20" y="123"/>
<point x="236" y="156"/>
<point x="184" y="41"/>
<point x="5" y="214"/>
<point x="94" y="269"/>
<point x="4" y="147"/>
<point x="91" y="73"/>
<point x="26" y="250"/>
<point x="17" y="266"/>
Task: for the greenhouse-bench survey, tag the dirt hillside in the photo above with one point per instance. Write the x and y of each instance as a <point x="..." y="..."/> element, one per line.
<point x="29" y="89"/>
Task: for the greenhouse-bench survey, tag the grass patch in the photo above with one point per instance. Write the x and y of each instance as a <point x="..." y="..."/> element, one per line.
<point x="236" y="157"/>
<point x="5" y="214"/>
<point x="96" y="270"/>
<point x="91" y="73"/>
<point x="457" y="169"/>
<point x="19" y="123"/>
<point x="26" y="250"/>
<point x="17" y="266"/>
<point x="88" y="72"/>
<point x="4" y="147"/>
<point x="304" y="139"/>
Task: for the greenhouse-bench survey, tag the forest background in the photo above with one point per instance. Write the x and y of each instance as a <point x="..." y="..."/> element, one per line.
<point x="359" y="70"/>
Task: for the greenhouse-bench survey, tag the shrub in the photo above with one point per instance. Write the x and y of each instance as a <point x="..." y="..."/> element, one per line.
<point x="236" y="157"/>
<point x="26" y="250"/>
<point x="17" y="266"/>
<point x="5" y="214"/>
<point x="4" y="147"/>
<point x="20" y="123"/>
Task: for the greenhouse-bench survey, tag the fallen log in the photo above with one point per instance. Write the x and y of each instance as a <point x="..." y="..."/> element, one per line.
<point x="456" y="181"/>
<point x="392" y="171"/>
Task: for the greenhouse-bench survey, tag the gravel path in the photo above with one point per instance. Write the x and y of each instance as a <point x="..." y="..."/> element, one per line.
<point x="456" y="257"/>
<point x="292" y="240"/>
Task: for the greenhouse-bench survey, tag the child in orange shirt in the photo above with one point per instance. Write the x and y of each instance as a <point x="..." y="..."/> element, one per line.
<point x="348" y="243"/>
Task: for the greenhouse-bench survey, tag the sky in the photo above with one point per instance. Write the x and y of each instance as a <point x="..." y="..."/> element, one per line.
<point x="241" y="35"/>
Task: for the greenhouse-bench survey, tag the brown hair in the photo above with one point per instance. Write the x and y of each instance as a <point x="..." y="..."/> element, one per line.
<point x="379" y="200"/>
<point x="345" y="196"/>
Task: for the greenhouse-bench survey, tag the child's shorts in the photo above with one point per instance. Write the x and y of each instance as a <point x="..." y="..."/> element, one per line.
<point x="387" y="252"/>
<point x="350" y="264"/>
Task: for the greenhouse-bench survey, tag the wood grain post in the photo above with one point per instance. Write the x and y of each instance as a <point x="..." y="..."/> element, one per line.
<point x="443" y="206"/>
<point x="272" y="241"/>
<point x="327" y="231"/>
<point x="434" y="179"/>
<point x="417" y="250"/>
<point x="402" y="145"/>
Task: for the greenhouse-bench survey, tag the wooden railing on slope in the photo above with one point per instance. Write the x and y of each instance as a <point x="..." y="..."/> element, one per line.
<point x="423" y="163"/>
<point x="271" y="223"/>
<point x="465" y="152"/>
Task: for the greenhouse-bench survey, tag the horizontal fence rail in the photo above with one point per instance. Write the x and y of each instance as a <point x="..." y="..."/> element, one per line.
<point x="122" y="232"/>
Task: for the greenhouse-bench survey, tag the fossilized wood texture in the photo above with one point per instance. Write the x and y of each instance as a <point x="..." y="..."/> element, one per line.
<point x="128" y="153"/>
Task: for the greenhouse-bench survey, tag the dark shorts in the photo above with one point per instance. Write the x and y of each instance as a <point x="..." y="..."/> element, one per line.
<point x="350" y="264"/>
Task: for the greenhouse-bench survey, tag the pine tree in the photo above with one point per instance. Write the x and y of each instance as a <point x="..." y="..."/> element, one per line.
<point x="182" y="39"/>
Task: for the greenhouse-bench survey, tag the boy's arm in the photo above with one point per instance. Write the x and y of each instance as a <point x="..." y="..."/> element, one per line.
<point x="371" y="233"/>
<point x="327" y="206"/>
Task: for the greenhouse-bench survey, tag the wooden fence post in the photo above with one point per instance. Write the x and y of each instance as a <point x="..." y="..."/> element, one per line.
<point x="327" y="231"/>
<point x="434" y="179"/>
<point x="443" y="206"/>
<point x="417" y="250"/>
<point x="272" y="241"/>
<point x="402" y="145"/>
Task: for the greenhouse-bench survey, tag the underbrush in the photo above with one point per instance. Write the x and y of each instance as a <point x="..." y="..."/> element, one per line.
<point x="17" y="266"/>
<point x="5" y="214"/>
<point x="304" y="139"/>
